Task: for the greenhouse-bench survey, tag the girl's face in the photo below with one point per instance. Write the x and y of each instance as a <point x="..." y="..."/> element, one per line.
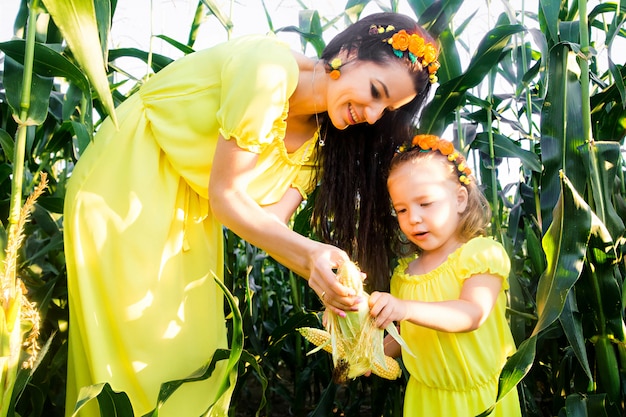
<point x="365" y="90"/>
<point x="428" y="203"/>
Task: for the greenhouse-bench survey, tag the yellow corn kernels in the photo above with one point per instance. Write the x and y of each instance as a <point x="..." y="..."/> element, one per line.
<point x="321" y="338"/>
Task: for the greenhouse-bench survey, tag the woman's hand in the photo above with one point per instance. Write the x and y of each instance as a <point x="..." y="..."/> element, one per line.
<point x="323" y="280"/>
<point x="386" y="308"/>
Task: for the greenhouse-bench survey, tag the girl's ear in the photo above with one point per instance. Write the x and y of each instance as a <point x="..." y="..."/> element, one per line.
<point x="461" y="198"/>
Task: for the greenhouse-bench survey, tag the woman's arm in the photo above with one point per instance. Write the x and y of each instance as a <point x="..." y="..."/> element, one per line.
<point x="235" y="209"/>
<point x="467" y="313"/>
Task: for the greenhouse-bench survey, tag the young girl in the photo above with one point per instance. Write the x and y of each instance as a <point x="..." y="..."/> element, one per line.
<point x="449" y="295"/>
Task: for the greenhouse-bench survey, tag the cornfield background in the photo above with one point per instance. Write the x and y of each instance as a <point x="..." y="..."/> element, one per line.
<point x="540" y="88"/>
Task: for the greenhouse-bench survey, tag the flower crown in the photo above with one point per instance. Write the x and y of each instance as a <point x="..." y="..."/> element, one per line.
<point x="414" y="46"/>
<point x="426" y="143"/>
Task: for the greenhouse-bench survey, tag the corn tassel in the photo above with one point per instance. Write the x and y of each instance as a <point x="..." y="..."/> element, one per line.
<point x="355" y="342"/>
<point x="19" y="319"/>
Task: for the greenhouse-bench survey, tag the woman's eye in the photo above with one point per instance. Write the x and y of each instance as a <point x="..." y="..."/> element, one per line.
<point x="375" y="92"/>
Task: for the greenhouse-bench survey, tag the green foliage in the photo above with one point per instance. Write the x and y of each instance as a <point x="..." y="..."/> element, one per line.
<point x="559" y="111"/>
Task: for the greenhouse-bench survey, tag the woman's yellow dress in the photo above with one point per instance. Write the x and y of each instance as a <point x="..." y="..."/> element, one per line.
<point x="456" y="374"/>
<point x="141" y="243"/>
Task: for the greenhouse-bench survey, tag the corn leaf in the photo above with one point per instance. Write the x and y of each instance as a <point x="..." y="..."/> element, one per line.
<point x="561" y="130"/>
<point x="111" y="403"/>
<point x="451" y="94"/>
<point x="602" y="161"/>
<point x="8" y="146"/>
<point x="47" y="63"/>
<point x="77" y="21"/>
<point x="577" y="405"/>
<point x="40" y="88"/>
<point x="571" y="322"/>
<point x="565" y="249"/>
<point x="504" y="147"/>
<point x="215" y="10"/>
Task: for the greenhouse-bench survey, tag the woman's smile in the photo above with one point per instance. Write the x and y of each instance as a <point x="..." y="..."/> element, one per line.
<point x="354" y="117"/>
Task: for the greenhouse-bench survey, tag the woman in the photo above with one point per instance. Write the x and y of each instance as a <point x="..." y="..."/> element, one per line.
<point x="229" y="136"/>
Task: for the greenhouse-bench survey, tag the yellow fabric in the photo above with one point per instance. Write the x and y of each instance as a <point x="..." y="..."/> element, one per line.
<point x="456" y="374"/>
<point x="140" y="240"/>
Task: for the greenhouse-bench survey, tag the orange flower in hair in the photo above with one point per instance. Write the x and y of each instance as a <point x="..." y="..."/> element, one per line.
<point x="430" y="54"/>
<point x="425" y="142"/>
<point x="412" y="46"/>
<point x="417" y="46"/>
<point x="432" y="68"/>
<point x="400" y="40"/>
<point x="445" y="147"/>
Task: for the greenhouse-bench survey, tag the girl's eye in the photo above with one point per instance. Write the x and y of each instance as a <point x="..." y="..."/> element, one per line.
<point x="399" y="211"/>
<point x="375" y="92"/>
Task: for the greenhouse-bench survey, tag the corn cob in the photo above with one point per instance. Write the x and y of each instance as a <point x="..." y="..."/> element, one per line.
<point x="390" y="369"/>
<point x="355" y="342"/>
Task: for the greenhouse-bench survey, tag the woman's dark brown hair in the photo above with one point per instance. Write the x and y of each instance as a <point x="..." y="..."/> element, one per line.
<point x="351" y="207"/>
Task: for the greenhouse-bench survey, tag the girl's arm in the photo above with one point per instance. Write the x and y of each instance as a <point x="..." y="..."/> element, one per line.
<point x="467" y="313"/>
<point x="266" y="229"/>
<point x="392" y="347"/>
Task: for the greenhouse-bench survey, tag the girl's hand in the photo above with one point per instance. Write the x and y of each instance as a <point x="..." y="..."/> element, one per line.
<point x="323" y="280"/>
<point x="386" y="308"/>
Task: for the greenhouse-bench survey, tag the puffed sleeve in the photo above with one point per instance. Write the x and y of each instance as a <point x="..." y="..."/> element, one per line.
<point x="304" y="181"/>
<point x="484" y="255"/>
<point x="257" y="81"/>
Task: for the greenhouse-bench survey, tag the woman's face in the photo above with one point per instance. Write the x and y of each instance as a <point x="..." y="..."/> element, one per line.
<point x="365" y="90"/>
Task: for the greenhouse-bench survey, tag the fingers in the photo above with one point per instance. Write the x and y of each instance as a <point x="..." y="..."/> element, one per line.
<point x="384" y="308"/>
<point x="323" y="280"/>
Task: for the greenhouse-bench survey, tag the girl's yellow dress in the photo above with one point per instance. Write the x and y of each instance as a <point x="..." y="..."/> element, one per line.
<point x="456" y="374"/>
<point x="141" y="243"/>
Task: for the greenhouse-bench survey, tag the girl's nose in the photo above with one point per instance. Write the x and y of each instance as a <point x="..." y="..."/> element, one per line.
<point x="415" y="217"/>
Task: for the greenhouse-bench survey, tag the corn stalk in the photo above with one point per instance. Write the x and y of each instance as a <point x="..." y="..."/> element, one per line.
<point x="18" y="316"/>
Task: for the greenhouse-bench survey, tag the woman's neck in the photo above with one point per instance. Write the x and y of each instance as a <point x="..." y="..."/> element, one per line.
<point x="309" y="98"/>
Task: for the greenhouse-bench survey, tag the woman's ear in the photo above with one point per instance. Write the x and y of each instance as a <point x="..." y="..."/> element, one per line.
<point x="461" y="198"/>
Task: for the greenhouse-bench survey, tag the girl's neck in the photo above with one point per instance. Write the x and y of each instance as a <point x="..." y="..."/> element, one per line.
<point x="431" y="259"/>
